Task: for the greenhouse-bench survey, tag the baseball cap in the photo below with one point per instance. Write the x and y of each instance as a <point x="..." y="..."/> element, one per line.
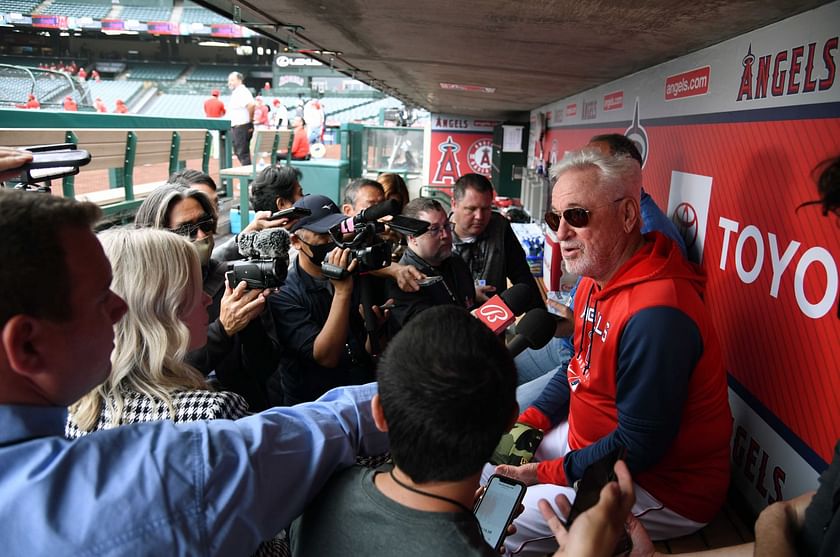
<point x="325" y="214"/>
<point x="215" y="92"/>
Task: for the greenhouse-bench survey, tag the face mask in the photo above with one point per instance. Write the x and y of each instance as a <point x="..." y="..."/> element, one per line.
<point x="205" y="249"/>
<point x="319" y="253"/>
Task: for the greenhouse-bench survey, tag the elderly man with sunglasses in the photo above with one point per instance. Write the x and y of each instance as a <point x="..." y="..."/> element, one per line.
<point x="648" y="373"/>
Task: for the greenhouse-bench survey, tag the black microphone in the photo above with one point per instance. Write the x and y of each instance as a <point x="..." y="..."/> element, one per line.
<point x="270" y="243"/>
<point x="371" y="214"/>
<point x="517" y="298"/>
<point x="533" y="331"/>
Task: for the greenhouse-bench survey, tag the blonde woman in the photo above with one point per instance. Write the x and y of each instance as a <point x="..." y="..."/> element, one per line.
<point x="158" y="274"/>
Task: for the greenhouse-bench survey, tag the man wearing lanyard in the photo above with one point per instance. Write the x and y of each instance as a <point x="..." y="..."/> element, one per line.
<point x="241" y="113"/>
<point x="449" y="280"/>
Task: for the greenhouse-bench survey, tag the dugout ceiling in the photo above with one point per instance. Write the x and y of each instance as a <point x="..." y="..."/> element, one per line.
<point x="530" y="52"/>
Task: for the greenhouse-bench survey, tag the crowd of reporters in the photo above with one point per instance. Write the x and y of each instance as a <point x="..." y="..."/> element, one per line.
<point x="196" y="345"/>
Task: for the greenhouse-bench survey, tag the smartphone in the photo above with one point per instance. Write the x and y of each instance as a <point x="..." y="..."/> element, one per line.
<point x="408" y="225"/>
<point x="594" y="478"/>
<point x="291" y="213"/>
<point x="50" y="162"/>
<point x="497" y="508"/>
<point x="428" y="281"/>
<point x="57" y="159"/>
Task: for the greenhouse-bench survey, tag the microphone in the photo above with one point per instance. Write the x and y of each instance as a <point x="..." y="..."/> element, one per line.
<point x="533" y="331"/>
<point x="500" y="311"/>
<point x="270" y="243"/>
<point x="371" y="214"/>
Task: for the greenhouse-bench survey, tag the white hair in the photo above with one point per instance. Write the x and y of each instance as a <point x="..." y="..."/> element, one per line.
<point x="618" y="175"/>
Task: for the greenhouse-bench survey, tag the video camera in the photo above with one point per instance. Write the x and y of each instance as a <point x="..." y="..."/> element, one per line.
<point x="367" y="247"/>
<point x="267" y="259"/>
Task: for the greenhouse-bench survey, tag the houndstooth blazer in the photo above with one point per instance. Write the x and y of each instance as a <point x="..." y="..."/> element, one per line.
<point x="190" y="406"/>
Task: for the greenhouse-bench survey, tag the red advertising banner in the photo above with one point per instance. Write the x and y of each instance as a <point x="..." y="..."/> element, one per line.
<point x="113" y="25"/>
<point x="229" y="30"/>
<point x="45" y="21"/>
<point x="456" y="153"/>
<point x="614" y="101"/>
<point x="162" y="28"/>
<point x="688" y="84"/>
<point x="772" y="269"/>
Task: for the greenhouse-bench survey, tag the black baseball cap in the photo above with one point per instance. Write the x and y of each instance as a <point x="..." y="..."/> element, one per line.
<point x="325" y="214"/>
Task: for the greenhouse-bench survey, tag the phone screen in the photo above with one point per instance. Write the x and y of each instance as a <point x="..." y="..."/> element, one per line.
<point x="497" y="506"/>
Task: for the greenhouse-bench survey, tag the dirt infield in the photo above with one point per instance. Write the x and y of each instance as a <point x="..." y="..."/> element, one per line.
<point x="96" y="180"/>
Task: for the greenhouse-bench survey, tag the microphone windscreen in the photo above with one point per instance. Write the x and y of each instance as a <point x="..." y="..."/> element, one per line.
<point x="376" y="212"/>
<point x="272" y="243"/>
<point x="517" y="298"/>
<point x="537" y="327"/>
<point x="245" y="244"/>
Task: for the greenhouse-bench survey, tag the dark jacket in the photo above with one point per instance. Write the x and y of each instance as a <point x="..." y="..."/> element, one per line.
<point x="243" y="362"/>
<point x="456" y="288"/>
<point x="300" y="310"/>
<point x="495" y="256"/>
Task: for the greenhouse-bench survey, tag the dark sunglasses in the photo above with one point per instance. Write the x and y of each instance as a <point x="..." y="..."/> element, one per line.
<point x="207" y="224"/>
<point x="576" y="217"/>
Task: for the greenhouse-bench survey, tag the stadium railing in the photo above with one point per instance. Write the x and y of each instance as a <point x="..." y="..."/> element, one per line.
<point x="117" y="143"/>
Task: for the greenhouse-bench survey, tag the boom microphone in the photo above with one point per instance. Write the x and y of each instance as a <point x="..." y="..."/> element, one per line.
<point x="500" y="311"/>
<point x="371" y="214"/>
<point x="533" y="331"/>
<point x="270" y="243"/>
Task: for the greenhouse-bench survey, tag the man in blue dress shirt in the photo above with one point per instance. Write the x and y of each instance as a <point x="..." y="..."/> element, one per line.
<point x="205" y="488"/>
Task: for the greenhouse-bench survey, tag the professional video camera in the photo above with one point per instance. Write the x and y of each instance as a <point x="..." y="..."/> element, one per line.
<point x="367" y="247"/>
<point x="267" y="259"/>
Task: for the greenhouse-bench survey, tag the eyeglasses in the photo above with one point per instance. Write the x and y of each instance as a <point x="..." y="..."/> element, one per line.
<point x="207" y="224"/>
<point x="576" y="217"/>
<point x="436" y="229"/>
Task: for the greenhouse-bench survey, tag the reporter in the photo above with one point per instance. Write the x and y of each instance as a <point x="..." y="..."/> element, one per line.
<point x="237" y="351"/>
<point x="323" y="338"/>
<point x="201" y="488"/>
<point x="167" y="316"/>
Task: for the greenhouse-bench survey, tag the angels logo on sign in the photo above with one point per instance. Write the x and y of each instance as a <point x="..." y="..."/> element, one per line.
<point x="479" y="156"/>
<point x="448" y="167"/>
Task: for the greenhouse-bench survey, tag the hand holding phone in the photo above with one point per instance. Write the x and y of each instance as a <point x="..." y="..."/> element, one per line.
<point x="428" y="281"/>
<point x="497" y="508"/>
<point x="50" y="162"/>
<point x="292" y="213"/>
<point x="589" y="487"/>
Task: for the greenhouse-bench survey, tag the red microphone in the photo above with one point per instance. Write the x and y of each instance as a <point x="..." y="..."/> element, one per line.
<point x="495" y="314"/>
<point x="499" y="312"/>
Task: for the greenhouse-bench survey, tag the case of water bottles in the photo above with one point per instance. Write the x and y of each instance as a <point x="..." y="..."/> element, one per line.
<point x="530" y="235"/>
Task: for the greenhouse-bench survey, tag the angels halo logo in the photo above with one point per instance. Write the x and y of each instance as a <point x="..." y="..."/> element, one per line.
<point x="480" y="156"/>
